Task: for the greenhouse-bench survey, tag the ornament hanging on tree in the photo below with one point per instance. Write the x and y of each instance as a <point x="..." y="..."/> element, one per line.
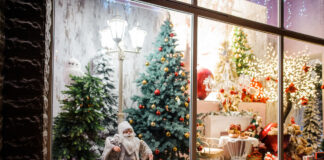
<point x="166" y="69"/>
<point x="141" y="106"/>
<point x="186" y="104"/>
<point x="174" y="149"/>
<point x="181" y="119"/>
<point x="187" y="134"/>
<point x="166" y="39"/>
<point x="187" y="116"/>
<point x="144" y="82"/>
<point x="157" y="92"/>
<point x="157" y="151"/>
<point x="158" y="112"/>
<point x="160" y="49"/>
<point x="176" y="74"/>
<point x="167" y="108"/>
<point x="153" y="106"/>
<point x="162" y="59"/>
<point x="181" y="64"/>
<point x="171" y="35"/>
<point x="140" y="136"/>
<point x="147" y="63"/>
<point x="130" y="121"/>
<point x="168" y="134"/>
<point x="153" y="124"/>
<point x="183" y="88"/>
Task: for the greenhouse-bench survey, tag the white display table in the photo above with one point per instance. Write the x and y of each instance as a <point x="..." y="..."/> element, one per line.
<point x="238" y="148"/>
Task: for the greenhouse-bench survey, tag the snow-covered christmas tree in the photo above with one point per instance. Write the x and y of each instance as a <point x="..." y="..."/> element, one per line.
<point x="103" y="69"/>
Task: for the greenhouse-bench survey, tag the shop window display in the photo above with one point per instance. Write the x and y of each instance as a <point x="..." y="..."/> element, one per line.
<point x="122" y="70"/>
<point x="132" y="69"/>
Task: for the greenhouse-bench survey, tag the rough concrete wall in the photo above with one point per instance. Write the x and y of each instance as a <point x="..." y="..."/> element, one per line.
<point x="25" y="80"/>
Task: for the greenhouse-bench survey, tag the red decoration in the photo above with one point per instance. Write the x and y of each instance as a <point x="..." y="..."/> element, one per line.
<point x="291" y="88"/>
<point x="157" y="92"/>
<point x="181" y="119"/>
<point x="232" y="92"/>
<point x="158" y="112"/>
<point x="188" y="81"/>
<point x="199" y="148"/>
<point x="306" y="68"/>
<point x="304" y="101"/>
<point x="322" y="86"/>
<point x="267" y="78"/>
<point x="160" y="48"/>
<point x="141" y="106"/>
<point x="292" y="120"/>
<point x="201" y="88"/>
<point x="176" y="74"/>
<point x="171" y="35"/>
<point x="181" y="64"/>
<point x="157" y="151"/>
<point x="271" y="140"/>
<point x="188" y="99"/>
<point x="222" y="91"/>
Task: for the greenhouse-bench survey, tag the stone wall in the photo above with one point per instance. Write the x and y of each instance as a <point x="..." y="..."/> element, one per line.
<point x="25" y="83"/>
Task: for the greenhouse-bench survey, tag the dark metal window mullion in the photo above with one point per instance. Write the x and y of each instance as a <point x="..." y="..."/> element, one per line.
<point x="193" y="79"/>
<point x="280" y="87"/>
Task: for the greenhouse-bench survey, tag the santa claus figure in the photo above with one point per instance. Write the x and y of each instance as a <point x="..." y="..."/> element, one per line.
<point x="125" y="146"/>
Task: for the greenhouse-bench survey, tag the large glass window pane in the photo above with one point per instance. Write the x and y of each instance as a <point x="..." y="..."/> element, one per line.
<point x="303" y="66"/>
<point x="263" y="11"/>
<point x="305" y="16"/>
<point x="237" y="92"/>
<point x="139" y="69"/>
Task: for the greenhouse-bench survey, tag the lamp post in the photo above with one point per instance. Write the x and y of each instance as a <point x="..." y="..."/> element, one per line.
<point x="117" y="27"/>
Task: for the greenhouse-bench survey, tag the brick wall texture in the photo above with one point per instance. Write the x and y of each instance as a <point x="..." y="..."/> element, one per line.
<point x="25" y="84"/>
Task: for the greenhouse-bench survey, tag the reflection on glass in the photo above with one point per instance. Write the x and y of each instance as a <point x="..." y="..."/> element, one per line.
<point x="263" y="11"/>
<point x="134" y="64"/>
<point x="237" y="92"/>
<point x="303" y="96"/>
<point x="304" y="16"/>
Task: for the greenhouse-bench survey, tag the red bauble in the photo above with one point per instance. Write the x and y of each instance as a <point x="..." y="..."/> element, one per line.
<point x="158" y="112"/>
<point x="157" y="151"/>
<point x="188" y="81"/>
<point x="176" y="74"/>
<point x="141" y="106"/>
<point x="221" y="91"/>
<point x="181" y="119"/>
<point x="181" y="64"/>
<point x="202" y="74"/>
<point x="268" y="78"/>
<point x="160" y="48"/>
<point x="188" y="99"/>
<point x="171" y="35"/>
<point x="157" y="92"/>
<point x="199" y="148"/>
<point x="322" y="87"/>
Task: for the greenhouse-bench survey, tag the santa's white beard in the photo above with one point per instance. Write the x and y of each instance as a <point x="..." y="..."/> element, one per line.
<point x="128" y="142"/>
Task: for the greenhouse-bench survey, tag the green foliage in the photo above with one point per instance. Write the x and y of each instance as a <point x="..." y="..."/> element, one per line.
<point x="165" y="131"/>
<point x="76" y="127"/>
<point x="102" y="68"/>
<point x="241" y="50"/>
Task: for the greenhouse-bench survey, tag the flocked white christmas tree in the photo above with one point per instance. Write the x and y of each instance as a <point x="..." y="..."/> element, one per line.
<point x="103" y="69"/>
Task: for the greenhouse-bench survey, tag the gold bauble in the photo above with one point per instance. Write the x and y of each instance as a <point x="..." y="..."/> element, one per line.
<point x="171" y="25"/>
<point x="198" y="134"/>
<point x="187" y="134"/>
<point x="183" y="88"/>
<point x="153" y="106"/>
<point x="186" y="104"/>
<point x="174" y="149"/>
<point x="181" y="55"/>
<point x="197" y="144"/>
<point x="183" y="74"/>
<point x="168" y="134"/>
<point x="237" y="56"/>
<point x="144" y="82"/>
<point x="166" y="69"/>
<point x="152" y="124"/>
<point x="167" y="108"/>
<point x="187" y="116"/>
<point x="147" y="63"/>
<point x="166" y="39"/>
<point x="175" y="55"/>
<point x="239" y="65"/>
<point x="131" y="121"/>
<point x="177" y="98"/>
<point x="140" y="136"/>
<point x="162" y="59"/>
<point x="187" y="87"/>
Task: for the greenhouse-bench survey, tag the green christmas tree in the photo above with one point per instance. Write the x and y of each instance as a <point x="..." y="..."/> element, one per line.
<point x="102" y="68"/>
<point x="76" y="128"/>
<point x="241" y="50"/>
<point x="162" y="117"/>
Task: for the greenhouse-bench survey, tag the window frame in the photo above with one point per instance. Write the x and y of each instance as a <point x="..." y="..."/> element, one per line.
<point x="280" y="31"/>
